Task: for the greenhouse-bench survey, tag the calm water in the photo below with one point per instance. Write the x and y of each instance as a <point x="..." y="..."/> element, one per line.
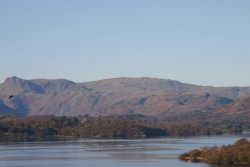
<point x="106" y="153"/>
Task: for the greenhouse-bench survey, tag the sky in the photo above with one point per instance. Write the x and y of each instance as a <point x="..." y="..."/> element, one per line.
<point x="205" y="42"/>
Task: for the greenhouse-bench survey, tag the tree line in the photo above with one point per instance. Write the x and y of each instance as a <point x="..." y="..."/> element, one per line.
<point x="39" y="127"/>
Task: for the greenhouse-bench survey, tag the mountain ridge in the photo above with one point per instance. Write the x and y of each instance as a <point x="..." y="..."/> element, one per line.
<point x="147" y="96"/>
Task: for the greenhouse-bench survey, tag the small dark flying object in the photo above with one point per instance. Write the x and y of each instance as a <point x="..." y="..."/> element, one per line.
<point x="11" y="96"/>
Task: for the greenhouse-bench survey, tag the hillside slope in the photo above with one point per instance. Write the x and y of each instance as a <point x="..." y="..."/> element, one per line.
<point x="146" y="96"/>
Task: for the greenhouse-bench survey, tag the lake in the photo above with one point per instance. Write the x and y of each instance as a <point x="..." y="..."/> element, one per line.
<point x="162" y="152"/>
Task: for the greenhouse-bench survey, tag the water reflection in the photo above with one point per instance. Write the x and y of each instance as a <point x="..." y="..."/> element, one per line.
<point x="82" y="152"/>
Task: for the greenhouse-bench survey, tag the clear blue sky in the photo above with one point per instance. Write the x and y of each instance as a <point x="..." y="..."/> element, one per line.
<point x="196" y="41"/>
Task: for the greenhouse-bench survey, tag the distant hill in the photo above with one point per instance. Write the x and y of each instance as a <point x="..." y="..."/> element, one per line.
<point x="239" y="109"/>
<point x="147" y="96"/>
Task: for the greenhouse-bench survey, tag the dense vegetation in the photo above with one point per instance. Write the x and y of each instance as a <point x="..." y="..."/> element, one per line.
<point x="14" y="128"/>
<point x="130" y="126"/>
<point x="237" y="154"/>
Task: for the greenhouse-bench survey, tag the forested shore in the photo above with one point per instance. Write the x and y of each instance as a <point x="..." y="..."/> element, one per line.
<point x="235" y="155"/>
<point x="115" y="127"/>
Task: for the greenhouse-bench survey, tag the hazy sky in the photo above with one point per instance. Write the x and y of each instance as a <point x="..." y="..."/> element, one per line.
<point x="196" y="41"/>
